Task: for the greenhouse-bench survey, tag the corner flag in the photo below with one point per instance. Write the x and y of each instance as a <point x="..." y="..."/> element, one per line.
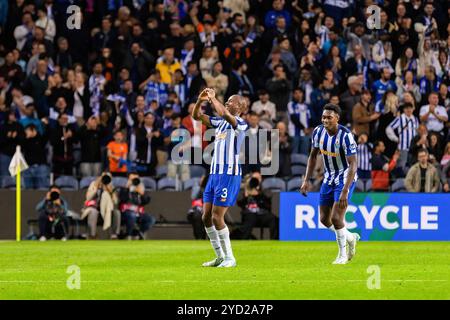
<point x="17" y="165"/>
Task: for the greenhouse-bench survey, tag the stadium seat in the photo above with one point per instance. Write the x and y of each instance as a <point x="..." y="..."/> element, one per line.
<point x="299" y="159"/>
<point x="197" y="171"/>
<point x="149" y="183"/>
<point x="161" y="171"/>
<point x="298" y="170"/>
<point x="86" y="181"/>
<point x="274" y="184"/>
<point x="359" y="186"/>
<point x="67" y="183"/>
<point x="398" y="186"/>
<point x="167" y="184"/>
<point x="294" y="184"/>
<point x="8" y="182"/>
<point x="188" y="184"/>
<point x="119" y="182"/>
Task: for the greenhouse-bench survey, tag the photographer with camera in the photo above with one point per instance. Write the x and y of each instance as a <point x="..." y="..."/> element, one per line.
<point x="256" y="208"/>
<point x="132" y="202"/>
<point x="53" y="221"/>
<point x="102" y="199"/>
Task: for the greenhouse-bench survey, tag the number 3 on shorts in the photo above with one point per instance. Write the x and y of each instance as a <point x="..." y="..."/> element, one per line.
<point x="224" y="194"/>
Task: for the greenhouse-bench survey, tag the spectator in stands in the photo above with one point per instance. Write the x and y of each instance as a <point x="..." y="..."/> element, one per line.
<point x="46" y="23"/>
<point x="102" y="200"/>
<point x="36" y="85"/>
<point x="194" y="81"/>
<point x="321" y="96"/>
<point x="422" y="176"/>
<point x="382" y="167"/>
<point x="167" y="64"/>
<point x="139" y="62"/>
<point x="381" y="86"/>
<point x="90" y="136"/>
<point x="406" y="62"/>
<point x="434" y="146"/>
<point x="363" y="115"/>
<point x="351" y="97"/>
<point x="117" y="154"/>
<point x="285" y="150"/>
<point x="408" y="85"/>
<point x="11" y="135"/>
<point x="239" y="83"/>
<point x="217" y="81"/>
<point x="277" y="10"/>
<point x="132" y="201"/>
<point x="388" y="112"/>
<point x="419" y="141"/>
<point x="52" y="212"/>
<point x="11" y="70"/>
<point x="62" y="139"/>
<point x="433" y="115"/>
<point x="279" y="89"/>
<point x="299" y="118"/>
<point x="207" y="61"/>
<point x="402" y="131"/>
<point x="36" y="176"/>
<point x="429" y="83"/>
<point x="177" y="144"/>
<point x="265" y="109"/>
<point x="252" y="145"/>
<point x="256" y="209"/>
<point x="196" y="130"/>
<point x="364" y="156"/>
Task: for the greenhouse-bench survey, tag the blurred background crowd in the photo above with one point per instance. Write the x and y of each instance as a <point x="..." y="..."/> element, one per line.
<point x="107" y="94"/>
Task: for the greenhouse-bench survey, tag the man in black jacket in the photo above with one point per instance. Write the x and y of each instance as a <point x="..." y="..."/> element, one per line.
<point x="62" y="138"/>
<point x="90" y="136"/>
<point x="11" y="135"/>
<point x="148" y="140"/>
<point x="36" y="176"/>
<point x="193" y="80"/>
<point x="139" y="62"/>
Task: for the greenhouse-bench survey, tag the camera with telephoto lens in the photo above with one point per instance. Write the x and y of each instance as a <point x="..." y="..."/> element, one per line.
<point x="106" y="179"/>
<point x="136" y="182"/>
<point x="253" y="183"/>
<point x="54" y="196"/>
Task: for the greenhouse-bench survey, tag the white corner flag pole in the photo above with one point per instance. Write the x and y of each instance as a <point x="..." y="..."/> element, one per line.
<point x="17" y="165"/>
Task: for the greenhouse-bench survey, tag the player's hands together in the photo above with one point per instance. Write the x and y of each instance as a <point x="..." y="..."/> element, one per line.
<point x="203" y="96"/>
<point x="304" y="187"/>
<point x="343" y="199"/>
<point x="211" y="93"/>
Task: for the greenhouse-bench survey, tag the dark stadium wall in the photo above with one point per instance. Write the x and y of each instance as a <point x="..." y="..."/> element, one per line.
<point x="172" y="206"/>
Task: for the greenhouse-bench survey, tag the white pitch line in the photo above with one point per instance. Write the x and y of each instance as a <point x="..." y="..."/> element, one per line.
<point x="222" y="281"/>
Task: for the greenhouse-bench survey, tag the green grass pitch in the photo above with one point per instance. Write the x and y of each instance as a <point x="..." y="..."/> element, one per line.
<point x="266" y="270"/>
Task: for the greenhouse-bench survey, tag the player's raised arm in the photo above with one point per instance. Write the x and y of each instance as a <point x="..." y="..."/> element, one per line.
<point x="197" y="113"/>
<point x="222" y="112"/>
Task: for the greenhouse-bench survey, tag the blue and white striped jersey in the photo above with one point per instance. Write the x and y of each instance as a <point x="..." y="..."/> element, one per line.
<point x="334" y="150"/>
<point x="227" y="145"/>
<point x="364" y="154"/>
<point x="405" y="129"/>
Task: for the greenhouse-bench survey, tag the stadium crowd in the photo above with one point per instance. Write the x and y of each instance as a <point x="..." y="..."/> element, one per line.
<point x="107" y="94"/>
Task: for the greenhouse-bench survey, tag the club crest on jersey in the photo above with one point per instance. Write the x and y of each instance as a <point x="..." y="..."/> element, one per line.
<point x="221" y="135"/>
